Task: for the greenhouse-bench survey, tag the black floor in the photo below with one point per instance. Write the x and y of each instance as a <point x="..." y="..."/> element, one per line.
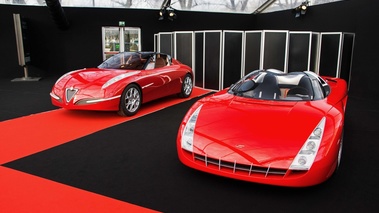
<point x="24" y="98"/>
<point x="137" y="162"/>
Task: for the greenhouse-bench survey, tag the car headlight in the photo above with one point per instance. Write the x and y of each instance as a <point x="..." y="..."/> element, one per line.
<point x="189" y="130"/>
<point x="307" y="154"/>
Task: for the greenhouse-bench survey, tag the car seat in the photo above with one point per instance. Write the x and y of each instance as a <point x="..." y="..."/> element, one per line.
<point x="268" y="89"/>
<point x="303" y="89"/>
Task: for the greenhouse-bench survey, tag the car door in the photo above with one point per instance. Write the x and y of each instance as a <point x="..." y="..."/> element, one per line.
<point x="156" y="80"/>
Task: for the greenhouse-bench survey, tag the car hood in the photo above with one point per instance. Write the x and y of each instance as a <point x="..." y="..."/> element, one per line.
<point x="258" y="132"/>
<point x="93" y="77"/>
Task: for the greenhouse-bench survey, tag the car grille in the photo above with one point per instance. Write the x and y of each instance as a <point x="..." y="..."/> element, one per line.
<point x="70" y="93"/>
<point x="237" y="168"/>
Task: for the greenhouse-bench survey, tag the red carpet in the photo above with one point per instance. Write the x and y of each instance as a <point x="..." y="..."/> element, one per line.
<point x="31" y="134"/>
<point x="21" y="192"/>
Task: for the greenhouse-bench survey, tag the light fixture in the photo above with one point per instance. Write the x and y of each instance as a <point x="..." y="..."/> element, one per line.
<point x="161" y="13"/>
<point x="167" y="10"/>
<point x="171" y="15"/>
<point x="301" y="10"/>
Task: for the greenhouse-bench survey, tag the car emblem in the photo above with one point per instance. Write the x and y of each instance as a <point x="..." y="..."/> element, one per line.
<point x="70" y="93"/>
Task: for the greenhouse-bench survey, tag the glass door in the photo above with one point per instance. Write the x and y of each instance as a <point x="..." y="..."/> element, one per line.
<point x="131" y="39"/>
<point x="111" y="41"/>
<point x="130" y="36"/>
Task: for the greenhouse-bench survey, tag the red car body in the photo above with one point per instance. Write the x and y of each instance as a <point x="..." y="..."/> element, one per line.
<point x="101" y="88"/>
<point x="235" y="134"/>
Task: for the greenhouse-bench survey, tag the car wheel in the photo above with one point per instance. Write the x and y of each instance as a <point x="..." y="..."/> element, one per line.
<point x="186" y="87"/>
<point x="130" y="101"/>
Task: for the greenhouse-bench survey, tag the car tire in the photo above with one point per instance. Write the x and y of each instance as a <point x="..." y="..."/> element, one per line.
<point x="187" y="86"/>
<point x="130" y="101"/>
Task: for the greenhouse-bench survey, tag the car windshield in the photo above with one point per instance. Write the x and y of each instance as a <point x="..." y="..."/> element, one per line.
<point x="126" y="61"/>
<point x="275" y="85"/>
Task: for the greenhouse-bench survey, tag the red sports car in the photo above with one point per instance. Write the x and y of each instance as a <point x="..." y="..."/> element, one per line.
<point x="123" y="82"/>
<point x="270" y="127"/>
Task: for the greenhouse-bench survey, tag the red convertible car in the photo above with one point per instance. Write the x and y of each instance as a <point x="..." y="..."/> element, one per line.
<point x="270" y="127"/>
<point x="123" y="82"/>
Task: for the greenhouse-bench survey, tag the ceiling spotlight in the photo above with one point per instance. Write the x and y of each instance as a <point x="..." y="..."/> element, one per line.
<point x="161" y="13"/>
<point x="301" y="10"/>
<point x="167" y="10"/>
<point x="171" y="15"/>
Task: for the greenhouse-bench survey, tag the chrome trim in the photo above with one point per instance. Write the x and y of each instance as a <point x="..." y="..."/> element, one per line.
<point x="102" y="99"/>
<point x="147" y="85"/>
<point x="70" y="93"/>
<point x="251" y="169"/>
<point x="268" y="170"/>
<point x="95" y="100"/>
<point x="55" y="96"/>
<point x="236" y="167"/>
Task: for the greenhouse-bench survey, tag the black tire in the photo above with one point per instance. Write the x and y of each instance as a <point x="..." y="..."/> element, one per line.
<point x="130" y="101"/>
<point x="187" y="86"/>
